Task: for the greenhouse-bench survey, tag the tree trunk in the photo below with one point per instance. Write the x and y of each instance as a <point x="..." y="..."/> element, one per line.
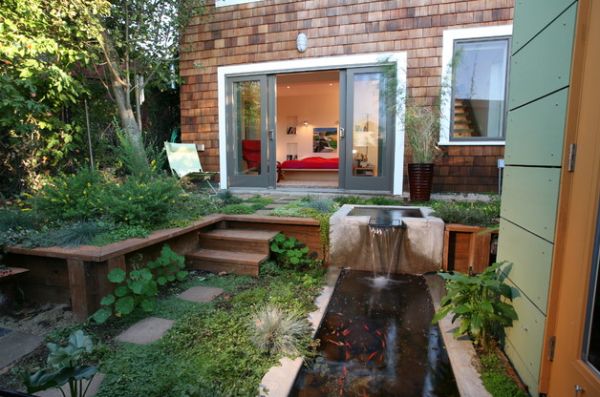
<point x="120" y="90"/>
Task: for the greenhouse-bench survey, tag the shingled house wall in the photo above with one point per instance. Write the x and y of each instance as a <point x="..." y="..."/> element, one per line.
<point x="266" y="31"/>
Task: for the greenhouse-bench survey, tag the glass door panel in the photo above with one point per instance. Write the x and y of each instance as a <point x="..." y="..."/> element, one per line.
<point x="370" y="125"/>
<point x="248" y="141"/>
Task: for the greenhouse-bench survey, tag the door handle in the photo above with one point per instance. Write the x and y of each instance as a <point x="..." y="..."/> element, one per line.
<point x="342" y="132"/>
<point x="579" y="390"/>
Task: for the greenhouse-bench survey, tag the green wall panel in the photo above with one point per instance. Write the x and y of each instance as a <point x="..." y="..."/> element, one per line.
<point x="529" y="198"/>
<point x="527" y="333"/>
<point x="543" y="65"/>
<point x="517" y="361"/>
<point x="535" y="132"/>
<point x="531" y="16"/>
<point x="531" y="259"/>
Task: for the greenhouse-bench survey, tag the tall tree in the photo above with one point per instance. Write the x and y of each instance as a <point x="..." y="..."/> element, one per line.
<point x="140" y="46"/>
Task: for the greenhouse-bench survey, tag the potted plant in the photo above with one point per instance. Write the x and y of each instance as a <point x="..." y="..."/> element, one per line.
<point x="422" y="130"/>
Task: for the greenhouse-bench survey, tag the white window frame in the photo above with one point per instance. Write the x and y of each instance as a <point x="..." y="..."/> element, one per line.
<point x="224" y="3"/>
<point x="449" y="37"/>
<point x="313" y="64"/>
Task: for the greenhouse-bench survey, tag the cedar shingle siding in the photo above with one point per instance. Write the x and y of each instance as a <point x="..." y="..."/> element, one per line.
<point x="266" y="31"/>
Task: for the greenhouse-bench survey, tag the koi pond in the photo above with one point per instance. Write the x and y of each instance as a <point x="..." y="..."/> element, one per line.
<point x="376" y="339"/>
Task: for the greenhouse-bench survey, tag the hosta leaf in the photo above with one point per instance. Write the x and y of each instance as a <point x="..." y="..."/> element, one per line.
<point x="102" y="315"/>
<point x="116" y="276"/>
<point x="108" y="300"/>
<point x="121" y="291"/>
<point x="125" y="305"/>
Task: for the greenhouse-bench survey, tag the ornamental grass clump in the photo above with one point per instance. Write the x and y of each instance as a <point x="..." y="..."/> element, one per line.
<point x="422" y="131"/>
<point x="278" y="332"/>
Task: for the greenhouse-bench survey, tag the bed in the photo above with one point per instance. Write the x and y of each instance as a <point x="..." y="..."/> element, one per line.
<point x="310" y="169"/>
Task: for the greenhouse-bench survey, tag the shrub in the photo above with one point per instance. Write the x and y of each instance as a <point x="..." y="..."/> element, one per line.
<point x="277" y="332"/>
<point x="228" y="198"/>
<point x="142" y="202"/>
<point x="15" y="226"/>
<point x="478" y="302"/>
<point x="73" y="197"/>
<point x="468" y="213"/>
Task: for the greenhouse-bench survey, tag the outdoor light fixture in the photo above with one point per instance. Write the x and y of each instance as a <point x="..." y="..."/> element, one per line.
<point x="301" y="42"/>
<point x="306" y="123"/>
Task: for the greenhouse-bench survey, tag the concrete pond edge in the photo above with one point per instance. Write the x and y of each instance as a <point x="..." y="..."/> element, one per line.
<point x="279" y="380"/>
<point x="462" y="354"/>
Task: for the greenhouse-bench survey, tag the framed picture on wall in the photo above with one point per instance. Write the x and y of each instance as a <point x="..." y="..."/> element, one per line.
<point x="325" y="139"/>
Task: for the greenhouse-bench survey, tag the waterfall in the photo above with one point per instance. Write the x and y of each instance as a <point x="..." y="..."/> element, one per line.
<point x="385" y="243"/>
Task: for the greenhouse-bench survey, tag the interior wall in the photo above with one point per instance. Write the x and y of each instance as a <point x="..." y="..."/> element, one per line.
<point x="316" y="103"/>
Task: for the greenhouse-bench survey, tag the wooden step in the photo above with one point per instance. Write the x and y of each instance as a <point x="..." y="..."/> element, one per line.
<point x="238" y="240"/>
<point x="244" y="263"/>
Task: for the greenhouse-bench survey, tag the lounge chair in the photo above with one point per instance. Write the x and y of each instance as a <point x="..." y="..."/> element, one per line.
<point x="184" y="160"/>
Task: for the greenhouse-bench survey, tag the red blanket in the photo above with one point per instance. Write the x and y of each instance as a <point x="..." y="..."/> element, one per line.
<point x="312" y="163"/>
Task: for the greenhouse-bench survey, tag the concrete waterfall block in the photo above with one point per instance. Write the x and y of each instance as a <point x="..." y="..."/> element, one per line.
<point x="421" y="249"/>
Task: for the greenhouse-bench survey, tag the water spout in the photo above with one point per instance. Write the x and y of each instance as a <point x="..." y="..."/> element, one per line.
<point x="386" y="244"/>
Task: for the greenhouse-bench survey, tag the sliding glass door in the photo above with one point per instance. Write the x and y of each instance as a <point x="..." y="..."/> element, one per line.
<point x="368" y="138"/>
<point x="250" y="125"/>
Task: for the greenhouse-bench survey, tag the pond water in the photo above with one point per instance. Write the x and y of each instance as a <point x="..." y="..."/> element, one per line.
<point x="377" y="340"/>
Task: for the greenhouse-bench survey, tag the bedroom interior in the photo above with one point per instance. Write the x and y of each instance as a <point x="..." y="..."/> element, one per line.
<point x="308" y="108"/>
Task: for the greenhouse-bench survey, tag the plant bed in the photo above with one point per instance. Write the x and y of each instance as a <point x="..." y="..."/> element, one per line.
<point x="79" y="274"/>
<point x="210" y="348"/>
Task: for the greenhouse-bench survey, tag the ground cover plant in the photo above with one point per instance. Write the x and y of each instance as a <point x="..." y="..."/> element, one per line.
<point x="476" y="213"/>
<point x="496" y="380"/>
<point x="311" y="207"/>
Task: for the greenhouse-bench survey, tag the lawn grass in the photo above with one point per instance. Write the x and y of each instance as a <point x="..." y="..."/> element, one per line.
<point x="208" y="352"/>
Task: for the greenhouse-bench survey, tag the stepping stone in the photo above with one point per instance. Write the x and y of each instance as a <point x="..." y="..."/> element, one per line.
<point x="145" y="331"/>
<point x="14" y="345"/>
<point x="263" y="212"/>
<point x="91" y="391"/>
<point x="200" y="294"/>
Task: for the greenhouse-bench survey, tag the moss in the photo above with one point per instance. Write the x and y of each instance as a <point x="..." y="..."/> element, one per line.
<point x="496" y="380"/>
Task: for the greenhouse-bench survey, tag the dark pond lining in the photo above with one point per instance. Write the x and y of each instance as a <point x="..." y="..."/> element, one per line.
<point x="378" y="342"/>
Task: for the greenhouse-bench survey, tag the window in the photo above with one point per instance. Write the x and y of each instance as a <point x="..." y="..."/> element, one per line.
<point x="476" y="76"/>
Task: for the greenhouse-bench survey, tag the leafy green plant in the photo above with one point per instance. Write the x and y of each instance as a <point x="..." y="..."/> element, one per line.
<point x="496" y="380"/>
<point x="238" y="209"/>
<point x="71" y="197"/>
<point x="278" y="332"/>
<point x="481" y="302"/>
<point x="139" y="288"/>
<point x="65" y="365"/>
<point x="323" y="206"/>
<point x="292" y="254"/>
<point x="168" y="267"/>
<point x="141" y="201"/>
<point x="422" y="132"/>
<point x="468" y="213"/>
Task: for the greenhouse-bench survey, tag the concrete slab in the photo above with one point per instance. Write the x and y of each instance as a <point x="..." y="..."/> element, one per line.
<point x="15" y="345"/>
<point x="91" y="391"/>
<point x="278" y="381"/>
<point x="200" y="294"/>
<point x="145" y="331"/>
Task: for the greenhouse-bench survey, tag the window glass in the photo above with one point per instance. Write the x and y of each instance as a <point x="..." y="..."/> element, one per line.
<point x="479" y="89"/>
<point x="591" y="351"/>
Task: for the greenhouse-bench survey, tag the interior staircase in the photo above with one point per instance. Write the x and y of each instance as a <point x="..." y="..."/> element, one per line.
<point x="239" y="251"/>
<point x="464" y="123"/>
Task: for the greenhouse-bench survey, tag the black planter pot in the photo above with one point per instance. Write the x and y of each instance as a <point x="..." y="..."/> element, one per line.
<point x="420" y="179"/>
